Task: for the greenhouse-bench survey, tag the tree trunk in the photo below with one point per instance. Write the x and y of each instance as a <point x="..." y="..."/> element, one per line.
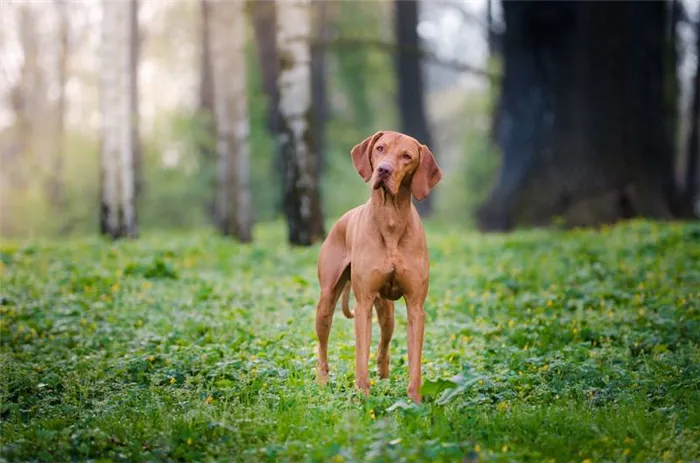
<point x="490" y="32"/>
<point x="119" y="147"/>
<point x="672" y="87"/>
<point x="227" y="50"/>
<point x="264" y="15"/>
<point x="319" y="93"/>
<point x="265" y="23"/>
<point x="206" y="86"/>
<point x="692" y="171"/>
<point x="27" y="98"/>
<point x="207" y="150"/>
<point x="410" y="79"/>
<point x="56" y="176"/>
<point x="301" y="186"/>
<point x="583" y="127"/>
<point x="134" y="56"/>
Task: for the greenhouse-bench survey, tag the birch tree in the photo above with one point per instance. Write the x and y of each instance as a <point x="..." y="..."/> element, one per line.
<point x="55" y="184"/>
<point x="227" y="41"/>
<point x="301" y="186"/>
<point x="119" y="113"/>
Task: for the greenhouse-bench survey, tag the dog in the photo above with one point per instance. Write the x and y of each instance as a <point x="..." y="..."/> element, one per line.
<point x="379" y="250"/>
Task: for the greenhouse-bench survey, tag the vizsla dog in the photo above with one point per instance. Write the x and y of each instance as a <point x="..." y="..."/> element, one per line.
<point x="379" y="249"/>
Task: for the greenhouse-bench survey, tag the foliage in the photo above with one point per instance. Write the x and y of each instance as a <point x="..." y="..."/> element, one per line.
<point x="540" y="346"/>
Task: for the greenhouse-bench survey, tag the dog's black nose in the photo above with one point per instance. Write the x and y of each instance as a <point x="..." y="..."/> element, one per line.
<point x="384" y="170"/>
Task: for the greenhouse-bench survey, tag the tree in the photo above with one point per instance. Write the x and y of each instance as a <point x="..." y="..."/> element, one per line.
<point x="692" y="167"/>
<point x="205" y="117"/>
<point x="227" y="51"/>
<point x="55" y="178"/>
<point x="264" y="15"/>
<point x="319" y="93"/>
<point x="119" y="140"/>
<point x="583" y="126"/>
<point x="301" y="184"/>
<point x="410" y="81"/>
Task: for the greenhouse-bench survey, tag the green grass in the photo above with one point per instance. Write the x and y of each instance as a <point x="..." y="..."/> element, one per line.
<point x="540" y="346"/>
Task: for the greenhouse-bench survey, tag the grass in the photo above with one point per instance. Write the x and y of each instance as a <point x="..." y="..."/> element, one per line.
<point x="575" y="346"/>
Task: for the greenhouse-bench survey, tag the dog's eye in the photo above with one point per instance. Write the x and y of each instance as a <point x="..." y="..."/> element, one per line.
<point x="406" y="156"/>
<point x="380" y="149"/>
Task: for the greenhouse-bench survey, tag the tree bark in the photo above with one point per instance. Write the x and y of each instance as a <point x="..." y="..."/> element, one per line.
<point x="319" y="93"/>
<point x="672" y="86"/>
<point x="301" y="184"/>
<point x="206" y="104"/>
<point x="410" y="82"/>
<point x="56" y="177"/>
<point x="118" y="212"/>
<point x="264" y="17"/>
<point x="583" y="127"/>
<point x="227" y="49"/>
<point x="206" y="86"/>
<point x="692" y="169"/>
<point x="134" y="57"/>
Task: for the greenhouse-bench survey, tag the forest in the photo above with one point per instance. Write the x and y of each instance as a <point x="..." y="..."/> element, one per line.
<point x="169" y="170"/>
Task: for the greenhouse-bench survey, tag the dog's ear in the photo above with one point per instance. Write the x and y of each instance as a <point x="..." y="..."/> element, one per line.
<point x="426" y="176"/>
<point x="361" y="156"/>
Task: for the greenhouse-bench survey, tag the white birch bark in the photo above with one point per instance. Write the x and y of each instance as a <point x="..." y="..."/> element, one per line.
<point x="294" y="83"/>
<point x="227" y="51"/>
<point x="118" y="202"/>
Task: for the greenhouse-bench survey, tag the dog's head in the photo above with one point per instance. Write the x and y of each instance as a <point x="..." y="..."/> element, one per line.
<point x="392" y="160"/>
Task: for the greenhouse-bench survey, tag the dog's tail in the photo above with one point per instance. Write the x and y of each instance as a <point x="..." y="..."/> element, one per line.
<point x="345" y="301"/>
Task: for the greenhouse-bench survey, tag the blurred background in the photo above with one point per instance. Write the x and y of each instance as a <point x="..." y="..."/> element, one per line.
<point x="126" y="116"/>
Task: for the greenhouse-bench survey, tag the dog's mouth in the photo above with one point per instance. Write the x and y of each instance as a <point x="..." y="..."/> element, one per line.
<point x="385" y="184"/>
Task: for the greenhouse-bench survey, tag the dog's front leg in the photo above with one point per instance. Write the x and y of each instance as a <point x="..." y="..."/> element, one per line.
<point x="416" y="326"/>
<point x="363" y="334"/>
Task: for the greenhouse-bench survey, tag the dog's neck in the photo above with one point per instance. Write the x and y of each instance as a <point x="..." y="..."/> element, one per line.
<point x="391" y="213"/>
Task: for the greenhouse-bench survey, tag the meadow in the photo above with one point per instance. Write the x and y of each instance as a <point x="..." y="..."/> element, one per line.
<point x="566" y="346"/>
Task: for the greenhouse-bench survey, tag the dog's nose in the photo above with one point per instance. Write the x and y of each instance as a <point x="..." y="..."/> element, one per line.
<point x="384" y="170"/>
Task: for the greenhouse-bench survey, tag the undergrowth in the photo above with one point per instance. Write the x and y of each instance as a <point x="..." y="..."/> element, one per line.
<point x="579" y="346"/>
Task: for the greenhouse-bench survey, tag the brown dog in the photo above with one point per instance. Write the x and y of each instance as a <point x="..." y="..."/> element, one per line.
<point x="379" y="248"/>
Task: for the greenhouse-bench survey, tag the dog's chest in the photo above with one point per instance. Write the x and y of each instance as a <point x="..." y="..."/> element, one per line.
<point x="391" y="272"/>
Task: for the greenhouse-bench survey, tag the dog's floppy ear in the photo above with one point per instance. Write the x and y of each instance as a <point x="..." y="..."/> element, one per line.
<point x="426" y="176"/>
<point x="361" y="154"/>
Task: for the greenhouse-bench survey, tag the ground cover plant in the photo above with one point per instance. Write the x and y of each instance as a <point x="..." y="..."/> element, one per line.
<point x="579" y="346"/>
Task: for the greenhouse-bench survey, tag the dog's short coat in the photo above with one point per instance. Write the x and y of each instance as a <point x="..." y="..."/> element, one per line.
<point x="379" y="250"/>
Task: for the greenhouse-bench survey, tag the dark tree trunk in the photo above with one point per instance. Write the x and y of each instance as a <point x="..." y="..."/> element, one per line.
<point x="693" y="149"/>
<point x="493" y="37"/>
<point x="410" y="82"/>
<point x="264" y="16"/>
<point x="672" y="86"/>
<point x="319" y="88"/>
<point x="583" y="128"/>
